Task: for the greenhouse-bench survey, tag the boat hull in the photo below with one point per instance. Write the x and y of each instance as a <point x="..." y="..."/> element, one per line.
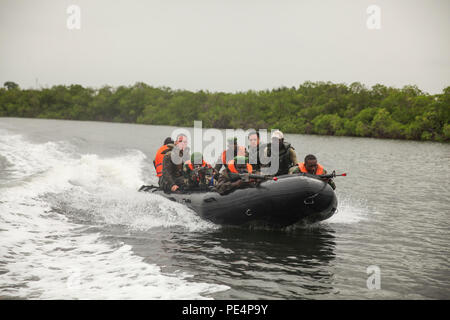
<point x="289" y="200"/>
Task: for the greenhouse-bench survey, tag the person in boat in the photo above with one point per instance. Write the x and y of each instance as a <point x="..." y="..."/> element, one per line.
<point x="232" y="177"/>
<point x="311" y="166"/>
<point x="158" y="161"/>
<point x="287" y="157"/>
<point x="227" y="155"/>
<point x="172" y="178"/>
<point x="197" y="172"/>
<point x="253" y="150"/>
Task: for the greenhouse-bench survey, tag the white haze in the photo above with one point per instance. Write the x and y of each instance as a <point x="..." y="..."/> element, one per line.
<point x="225" y="45"/>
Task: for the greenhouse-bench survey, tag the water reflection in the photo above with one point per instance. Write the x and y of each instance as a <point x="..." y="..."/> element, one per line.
<point x="255" y="264"/>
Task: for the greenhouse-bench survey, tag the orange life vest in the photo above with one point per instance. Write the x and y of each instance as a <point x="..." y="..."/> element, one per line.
<point x="240" y="152"/>
<point x="191" y="166"/>
<point x="302" y="168"/>
<point x="233" y="169"/>
<point x="158" y="162"/>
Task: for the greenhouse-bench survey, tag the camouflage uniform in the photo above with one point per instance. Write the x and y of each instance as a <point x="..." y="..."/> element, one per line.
<point x="198" y="178"/>
<point x="229" y="181"/>
<point x="287" y="158"/>
<point x="172" y="173"/>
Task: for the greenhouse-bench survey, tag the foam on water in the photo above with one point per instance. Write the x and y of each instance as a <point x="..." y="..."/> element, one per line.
<point x="47" y="255"/>
<point x="349" y="211"/>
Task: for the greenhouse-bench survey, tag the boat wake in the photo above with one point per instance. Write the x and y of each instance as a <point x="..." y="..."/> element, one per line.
<point x="51" y="196"/>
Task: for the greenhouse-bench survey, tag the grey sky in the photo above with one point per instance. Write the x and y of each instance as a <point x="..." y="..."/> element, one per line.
<point x="226" y="45"/>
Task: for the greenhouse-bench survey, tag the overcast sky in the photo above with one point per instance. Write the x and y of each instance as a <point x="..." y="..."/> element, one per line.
<point x="225" y="45"/>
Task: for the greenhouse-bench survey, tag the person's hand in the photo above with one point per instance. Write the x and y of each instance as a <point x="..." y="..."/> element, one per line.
<point x="238" y="183"/>
<point x="174" y="188"/>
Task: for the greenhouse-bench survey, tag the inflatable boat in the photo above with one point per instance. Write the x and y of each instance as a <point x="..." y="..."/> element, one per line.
<point x="288" y="200"/>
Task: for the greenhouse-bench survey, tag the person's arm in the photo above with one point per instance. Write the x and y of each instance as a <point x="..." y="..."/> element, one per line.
<point x="224" y="186"/>
<point x="167" y="170"/>
<point x="293" y="156"/>
<point x="294" y="170"/>
<point x="187" y="173"/>
<point x="329" y="181"/>
<point x="221" y="184"/>
<point x="332" y="184"/>
<point x="218" y="166"/>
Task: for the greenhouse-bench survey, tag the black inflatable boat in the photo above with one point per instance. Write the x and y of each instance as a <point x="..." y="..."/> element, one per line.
<point x="288" y="200"/>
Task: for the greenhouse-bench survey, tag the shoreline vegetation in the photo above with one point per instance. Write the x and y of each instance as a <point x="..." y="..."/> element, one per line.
<point x="322" y="108"/>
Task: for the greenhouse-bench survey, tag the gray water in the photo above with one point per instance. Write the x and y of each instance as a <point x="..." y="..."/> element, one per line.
<point x="72" y="225"/>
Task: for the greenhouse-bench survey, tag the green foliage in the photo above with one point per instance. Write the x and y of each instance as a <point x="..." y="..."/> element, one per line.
<point x="11" y="85"/>
<point x="383" y="126"/>
<point x="327" y="124"/>
<point x="446" y="132"/>
<point x="313" y="108"/>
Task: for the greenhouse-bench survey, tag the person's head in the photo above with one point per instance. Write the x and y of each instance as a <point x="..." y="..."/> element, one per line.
<point x="253" y="138"/>
<point x="240" y="162"/>
<point x="181" y="141"/>
<point x="277" y="137"/>
<point x="197" y="159"/>
<point x="311" y="163"/>
<point x="168" y="140"/>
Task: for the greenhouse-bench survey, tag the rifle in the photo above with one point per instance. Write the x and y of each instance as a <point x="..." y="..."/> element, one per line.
<point x="201" y="173"/>
<point x="247" y="176"/>
<point x="203" y="170"/>
<point x="331" y="175"/>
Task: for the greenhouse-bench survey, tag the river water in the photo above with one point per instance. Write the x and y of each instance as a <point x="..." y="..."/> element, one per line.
<point x="72" y="225"/>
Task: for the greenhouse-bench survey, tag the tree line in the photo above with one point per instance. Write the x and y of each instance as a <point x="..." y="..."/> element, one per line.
<point x="322" y="108"/>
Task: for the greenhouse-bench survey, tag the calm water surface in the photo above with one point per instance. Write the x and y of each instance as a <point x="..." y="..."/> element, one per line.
<point x="72" y="225"/>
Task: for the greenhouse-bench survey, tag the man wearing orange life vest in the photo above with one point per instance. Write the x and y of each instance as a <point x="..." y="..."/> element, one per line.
<point x="158" y="162"/>
<point x="230" y="178"/>
<point x="227" y="155"/>
<point x="172" y="178"/>
<point x="197" y="172"/>
<point x="311" y="166"/>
